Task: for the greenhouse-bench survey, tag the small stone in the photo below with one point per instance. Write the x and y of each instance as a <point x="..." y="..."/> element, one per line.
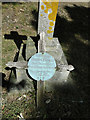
<point x="21" y="10"/>
<point x="70" y="68"/>
<point x="20" y="98"/>
<point x="48" y="101"/>
<point x="7" y="16"/>
<point x="2" y="99"/>
<point x="21" y="115"/>
<point x="24" y="96"/>
<point x="3" y="107"/>
<point x="15" y="20"/>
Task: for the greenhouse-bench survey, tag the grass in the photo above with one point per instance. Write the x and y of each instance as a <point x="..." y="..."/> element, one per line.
<point x="24" y="106"/>
<point x="22" y="15"/>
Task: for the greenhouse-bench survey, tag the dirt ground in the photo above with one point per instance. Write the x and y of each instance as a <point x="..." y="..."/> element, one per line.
<point x="72" y="31"/>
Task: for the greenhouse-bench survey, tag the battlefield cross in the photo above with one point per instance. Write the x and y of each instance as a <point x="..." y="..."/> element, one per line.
<point x="49" y="66"/>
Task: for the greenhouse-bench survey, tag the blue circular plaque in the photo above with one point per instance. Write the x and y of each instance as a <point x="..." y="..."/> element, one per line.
<point x="41" y="66"/>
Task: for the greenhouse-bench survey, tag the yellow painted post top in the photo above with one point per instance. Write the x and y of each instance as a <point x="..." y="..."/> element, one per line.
<point x="53" y="5"/>
<point x="48" y="12"/>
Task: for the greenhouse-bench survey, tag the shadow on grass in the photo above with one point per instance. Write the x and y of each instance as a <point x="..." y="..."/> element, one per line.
<point x="16" y="37"/>
<point x="3" y="82"/>
<point x="18" y="40"/>
<point x="73" y="35"/>
<point x="34" y="22"/>
<point x="8" y="85"/>
<point x="11" y="2"/>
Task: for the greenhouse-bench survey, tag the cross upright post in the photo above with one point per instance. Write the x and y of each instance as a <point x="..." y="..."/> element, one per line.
<point x="46" y="24"/>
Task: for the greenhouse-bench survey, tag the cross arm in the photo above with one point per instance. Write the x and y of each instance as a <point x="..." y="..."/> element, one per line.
<point x="19" y="64"/>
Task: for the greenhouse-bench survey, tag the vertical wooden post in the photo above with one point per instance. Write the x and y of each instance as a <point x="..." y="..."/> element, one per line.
<point x="46" y="24"/>
<point x="40" y="84"/>
<point x="40" y="93"/>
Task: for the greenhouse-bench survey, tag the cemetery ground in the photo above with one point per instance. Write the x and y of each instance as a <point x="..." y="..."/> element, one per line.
<point x="72" y="31"/>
